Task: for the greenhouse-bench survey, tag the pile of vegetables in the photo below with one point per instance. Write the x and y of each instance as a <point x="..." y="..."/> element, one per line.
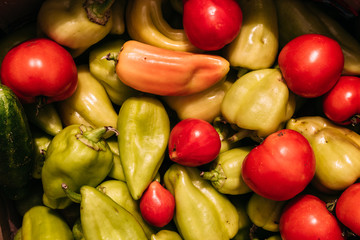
<point x="170" y="119"/>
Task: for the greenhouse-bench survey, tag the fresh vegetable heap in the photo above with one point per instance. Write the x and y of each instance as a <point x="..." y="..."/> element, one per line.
<point x="193" y="119"/>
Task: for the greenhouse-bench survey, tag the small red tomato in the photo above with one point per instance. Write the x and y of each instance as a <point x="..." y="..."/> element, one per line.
<point x="348" y="209"/>
<point x="311" y="64"/>
<point x="39" y="70"/>
<point x="157" y="205"/>
<point x="281" y="166"/>
<point x="306" y="218"/>
<point x="193" y="142"/>
<point x="342" y="103"/>
<point x="211" y="24"/>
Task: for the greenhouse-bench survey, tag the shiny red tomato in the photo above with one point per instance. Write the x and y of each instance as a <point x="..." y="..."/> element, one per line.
<point x="157" y="205"/>
<point x="311" y="64"/>
<point x="281" y="166"/>
<point x="39" y="70"/>
<point x="211" y="24"/>
<point x="193" y="142"/>
<point x="348" y="208"/>
<point x="342" y="103"/>
<point x="306" y="218"/>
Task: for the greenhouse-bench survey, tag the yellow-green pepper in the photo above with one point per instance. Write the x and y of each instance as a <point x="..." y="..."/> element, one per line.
<point x="336" y="149"/>
<point x="256" y="45"/>
<point x="118" y="17"/>
<point x="102" y="218"/>
<point x="225" y="171"/>
<point x="259" y="101"/>
<point x="78" y="156"/>
<point x="41" y="222"/>
<point x="145" y="23"/>
<point x="89" y="105"/>
<point x="117" y="171"/>
<point x="166" y="235"/>
<point x="119" y="192"/>
<point x="104" y="70"/>
<point x="75" y="24"/>
<point x="144" y="129"/>
<point x="201" y="212"/>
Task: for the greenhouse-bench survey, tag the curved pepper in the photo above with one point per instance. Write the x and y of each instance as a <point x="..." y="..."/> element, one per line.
<point x="337" y="152"/>
<point x="102" y="218"/>
<point x="45" y="117"/>
<point x="264" y="212"/>
<point x="201" y="211"/>
<point x="257" y="44"/>
<point x="104" y="71"/>
<point x="89" y="105"/>
<point x="144" y="129"/>
<point x="41" y="222"/>
<point x="166" y="72"/>
<point x="145" y="23"/>
<point x="117" y="171"/>
<point x="259" y="101"/>
<point x="297" y="17"/>
<point x="78" y="155"/>
<point x="74" y="23"/>
<point x="119" y="192"/>
<point x="225" y="171"/>
<point x="203" y="105"/>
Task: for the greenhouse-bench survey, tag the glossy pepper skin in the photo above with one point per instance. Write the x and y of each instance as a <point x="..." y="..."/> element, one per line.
<point x="336" y="150"/>
<point x="102" y="218"/>
<point x="264" y="212"/>
<point x="73" y="26"/>
<point x="225" y="172"/>
<point x="144" y="129"/>
<point x="104" y="70"/>
<point x="78" y="155"/>
<point x="145" y="23"/>
<point x="165" y="234"/>
<point x="41" y="142"/>
<point x="298" y="17"/>
<point x="259" y="101"/>
<point x="119" y="192"/>
<point x="89" y="105"/>
<point x="256" y="46"/>
<point x="201" y="212"/>
<point x="41" y="222"/>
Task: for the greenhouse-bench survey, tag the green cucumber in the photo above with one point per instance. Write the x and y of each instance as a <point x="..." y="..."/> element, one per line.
<point x="16" y="146"/>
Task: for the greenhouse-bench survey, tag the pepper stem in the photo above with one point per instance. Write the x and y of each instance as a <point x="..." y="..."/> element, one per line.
<point x="92" y="138"/>
<point x="98" y="11"/>
<point x="211" y="175"/>
<point x="73" y="196"/>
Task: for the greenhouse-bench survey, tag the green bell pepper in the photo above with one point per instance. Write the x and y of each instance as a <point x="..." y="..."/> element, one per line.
<point x="102" y="218"/>
<point x="78" y="155"/>
<point x="89" y="105"/>
<point x="256" y="46"/>
<point x="297" y="17"/>
<point x="75" y="24"/>
<point x="259" y="101"/>
<point x="119" y="192"/>
<point x="41" y="222"/>
<point x="144" y="129"/>
<point x="336" y="149"/>
<point x="225" y="171"/>
<point x="201" y="211"/>
<point x="265" y="213"/>
<point x="104" y="70"/>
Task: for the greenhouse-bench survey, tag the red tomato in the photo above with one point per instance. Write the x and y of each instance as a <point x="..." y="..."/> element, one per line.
<point x="39" y="69"/>
<point x="193" y="142"/>
<point x="281" y="166"/>
<point x="342" y="103"/>
<point x="306" y="218"/>
<point x="157" y="205"/>
<point x="211" y="24"/>
<point x="311" y="64"/>
<point x="348" y="209"/>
